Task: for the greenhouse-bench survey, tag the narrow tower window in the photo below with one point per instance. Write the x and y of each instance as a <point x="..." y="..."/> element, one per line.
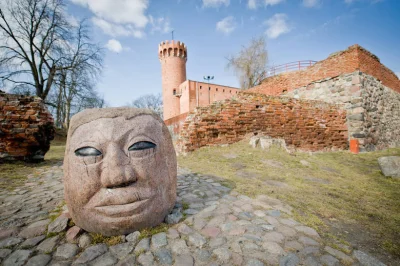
<point x="174" y="92"/>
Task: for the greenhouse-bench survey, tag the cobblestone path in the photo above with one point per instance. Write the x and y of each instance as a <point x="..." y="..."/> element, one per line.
<point x="218" y="227"/>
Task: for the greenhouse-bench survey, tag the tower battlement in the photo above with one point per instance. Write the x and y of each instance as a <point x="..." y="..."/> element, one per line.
<point x="172" y="48"/>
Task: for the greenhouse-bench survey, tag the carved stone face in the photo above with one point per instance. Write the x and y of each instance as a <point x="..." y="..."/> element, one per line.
<point x="119" y="170"/>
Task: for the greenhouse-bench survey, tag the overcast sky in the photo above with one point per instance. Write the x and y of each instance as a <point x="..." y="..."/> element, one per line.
<point x="131" y="30"/>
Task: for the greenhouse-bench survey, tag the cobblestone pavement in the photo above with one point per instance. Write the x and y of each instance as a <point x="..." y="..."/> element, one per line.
<point x="218" y="227"/>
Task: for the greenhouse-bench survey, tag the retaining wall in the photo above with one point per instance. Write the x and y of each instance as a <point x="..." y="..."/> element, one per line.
<point x="373" y="110"/>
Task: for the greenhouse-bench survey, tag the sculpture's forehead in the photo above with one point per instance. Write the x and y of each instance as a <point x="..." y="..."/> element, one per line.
<point x="119" y="127"/>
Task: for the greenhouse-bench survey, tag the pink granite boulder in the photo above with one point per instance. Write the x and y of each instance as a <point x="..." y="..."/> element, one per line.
<point x="119" y="170"/>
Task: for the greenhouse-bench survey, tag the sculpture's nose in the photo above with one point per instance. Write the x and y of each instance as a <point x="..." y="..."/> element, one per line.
<point x="117" y="170"/>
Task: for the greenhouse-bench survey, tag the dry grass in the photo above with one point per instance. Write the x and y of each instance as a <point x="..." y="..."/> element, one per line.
<point x="335" y="188"/>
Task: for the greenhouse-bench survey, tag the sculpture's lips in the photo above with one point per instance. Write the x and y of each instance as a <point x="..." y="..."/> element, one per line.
<point x="119" y="201"/>
<point x="123" y="210"/>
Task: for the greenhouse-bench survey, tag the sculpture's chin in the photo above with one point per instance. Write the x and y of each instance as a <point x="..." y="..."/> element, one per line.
<point x="123" y="219"/>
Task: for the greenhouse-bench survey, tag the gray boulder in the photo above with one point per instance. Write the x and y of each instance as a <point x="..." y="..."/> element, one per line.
<point x="390" y="165"/>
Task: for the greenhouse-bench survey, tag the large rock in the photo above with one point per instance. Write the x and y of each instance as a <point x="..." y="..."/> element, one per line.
<point x="390" y="165"/>
<point x="120" y="170"/>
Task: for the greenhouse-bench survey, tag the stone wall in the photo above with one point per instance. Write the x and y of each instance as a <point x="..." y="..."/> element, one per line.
<point x="344" y="89"/>
<point x="26" y="128"/>
<point x="307" y="125"/>
<point x="355" y="58"/>
<point x="381" y="115"/>
<point x="373" y="110"/>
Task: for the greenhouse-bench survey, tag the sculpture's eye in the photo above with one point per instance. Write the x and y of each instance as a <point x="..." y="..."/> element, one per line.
<point x="87" y="151"/>
<point x="142" y="145"/>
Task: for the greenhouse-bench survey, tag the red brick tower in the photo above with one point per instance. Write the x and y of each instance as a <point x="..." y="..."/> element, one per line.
<point x="173" y="56"/>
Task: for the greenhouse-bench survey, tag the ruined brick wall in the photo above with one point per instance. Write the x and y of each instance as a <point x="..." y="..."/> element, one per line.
<point x="373" y="110"/>
<point x="344" y="89"/>
<point x="371" y="65"/>
<point x="307" y="125"/>
<point x="175" y="124"/>
<point x="347" y="61"/>
<point x="26" y="128"/>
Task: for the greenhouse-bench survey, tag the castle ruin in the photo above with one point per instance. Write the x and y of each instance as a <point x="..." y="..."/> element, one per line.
<point x="350" y="95"/>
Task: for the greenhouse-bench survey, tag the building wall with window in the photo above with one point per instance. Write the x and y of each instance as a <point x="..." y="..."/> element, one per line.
<point x="194" y="93"/>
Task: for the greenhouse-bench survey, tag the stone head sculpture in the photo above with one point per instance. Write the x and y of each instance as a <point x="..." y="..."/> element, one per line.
<point x="119" y="170"/>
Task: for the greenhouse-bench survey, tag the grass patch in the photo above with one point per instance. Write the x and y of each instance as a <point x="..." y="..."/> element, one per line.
<point x="57" y="211"/>
<point x="149" y="232"/>
<point x="185" y="205"/>
<point x="336" y="187"/>
<point x="109" y="240"/>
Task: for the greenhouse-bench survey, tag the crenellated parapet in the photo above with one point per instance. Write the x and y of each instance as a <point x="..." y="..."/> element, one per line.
<point x="172" y="48"/>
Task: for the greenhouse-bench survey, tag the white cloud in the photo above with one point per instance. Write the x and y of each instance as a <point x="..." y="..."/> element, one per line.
<point x="272" y="2"/>
<point x="116" y="30"/>
<point x="119" y="11"/>
<point x="160" y="24"/>
<point x="254" y="4"/>
<point x="215" y="3"/>
<point x="110" y="28"/>
<point x="114" y="46"/>
<point x="226" y="25"/>
<point x="311" y="3"/>
<point x="124" y="17"/>
<point x="277" y="25"/>
<point x="72" y="20"/>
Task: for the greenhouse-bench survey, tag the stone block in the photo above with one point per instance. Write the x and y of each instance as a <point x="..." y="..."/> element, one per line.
<point x="390" y="166"/>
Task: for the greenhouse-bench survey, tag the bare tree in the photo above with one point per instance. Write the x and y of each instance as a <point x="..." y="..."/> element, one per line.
<point x="149" y="101"/>
<point x="40" y="50"/>
<point x="250" y="64"/>
<point x="76" y="83"/>
<point x="36" y="43"/>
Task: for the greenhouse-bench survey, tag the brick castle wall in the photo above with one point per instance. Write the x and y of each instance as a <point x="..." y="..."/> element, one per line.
<point x="347" y="61"/>
<point x="26" y="127"/>
<point x="307" y="125"/>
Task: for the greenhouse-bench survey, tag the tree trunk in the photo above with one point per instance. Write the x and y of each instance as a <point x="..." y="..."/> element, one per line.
<point x="67" y="114"/>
